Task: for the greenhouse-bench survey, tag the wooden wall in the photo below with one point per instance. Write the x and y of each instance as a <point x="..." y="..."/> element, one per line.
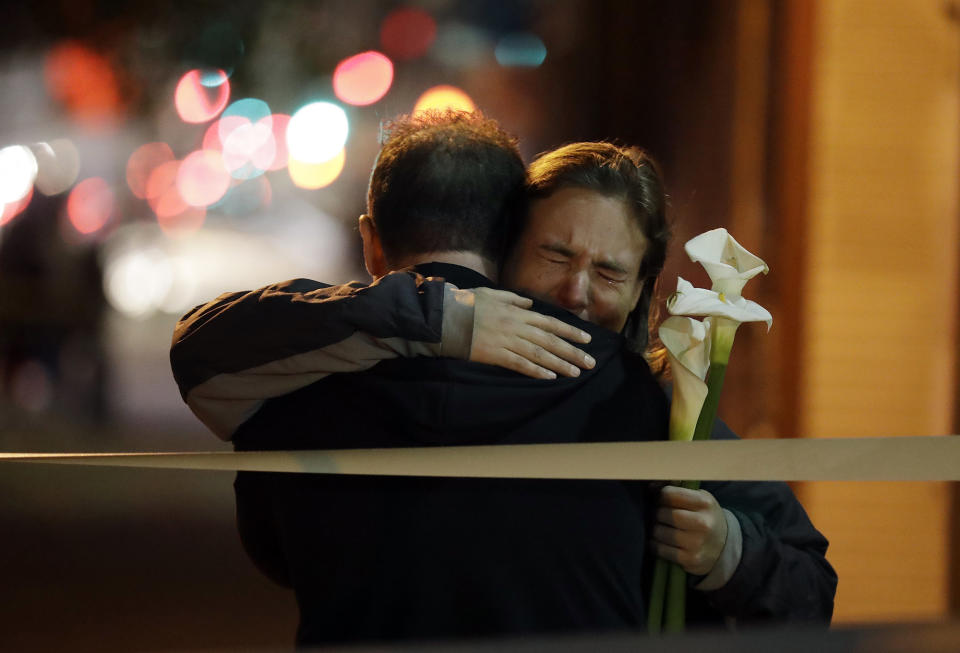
<point x="879" y="296"/>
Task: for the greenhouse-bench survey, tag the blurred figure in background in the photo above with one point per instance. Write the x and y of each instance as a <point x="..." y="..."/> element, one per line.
<point x="51" y="314"/>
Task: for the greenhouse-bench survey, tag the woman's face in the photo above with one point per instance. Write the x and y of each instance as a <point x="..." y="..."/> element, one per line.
<point x="580" y="250"/>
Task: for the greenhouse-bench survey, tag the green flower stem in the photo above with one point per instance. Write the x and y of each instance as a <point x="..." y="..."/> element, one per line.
<point x="676" y="603"/>
<point x="709" y="411"/>
<point x="661" y="570"/>
<point x="657" y="593"/>
<point x="722" y="333"/>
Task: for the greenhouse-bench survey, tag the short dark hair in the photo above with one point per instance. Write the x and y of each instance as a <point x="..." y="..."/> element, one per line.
<point x="446" y="181"/>
<point x="628" y="174"/>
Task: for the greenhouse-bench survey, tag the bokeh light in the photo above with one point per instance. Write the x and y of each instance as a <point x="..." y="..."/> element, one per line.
<point x="165" y="197"/>
<point x="183" y="223"/>
<point x="141" y="164"/>
<point x="137" y="281"/>
<point x="244" y="134"/>
<point x="18" y="170"/>
<point x="201" y="95"/>
<point x="252" y="109"/>
<point x="58" y="165"/>
<point x="162" y="192"/>
<point x="279" y="123"/>
<point x="317" y="132"/>
<point x="202" y="178"/>
<point x="363" y="78"/>
<point x="9" y="211"/>
<point x="90" y="205"/>
<point x="316" y="175"/>
<point x="460" y="45"/>
<point x="249" y="149"/>
<point x="407" y="33"/>
<point x="180" y="296"/>
<point x="520" y="50"/>
<point x="84" y="82"/>
<point x="444" y="97"/>
<point x="263" y="146"/>
<point x="226" y="124"/>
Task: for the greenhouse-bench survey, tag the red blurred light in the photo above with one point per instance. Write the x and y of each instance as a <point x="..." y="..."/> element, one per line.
<point x="174" y="215"/>
<point x="90" y="205"/>
<point x="141" y="164"/>
<point x="162" y="192"/>
<point x="197" y="101"/>
<point x="84" y="82"/>
<point x="363" y="78"/>
<point x="10" y="210"/>
<point x="407" y="33"/>
<point x="202" y="178"/>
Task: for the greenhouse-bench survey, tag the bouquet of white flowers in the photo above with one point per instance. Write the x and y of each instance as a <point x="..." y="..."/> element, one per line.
<point x="698" y="352"/>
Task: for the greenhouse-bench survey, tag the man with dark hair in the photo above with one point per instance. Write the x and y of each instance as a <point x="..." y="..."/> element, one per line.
<point x="443" y="185"/>
<point x="413" y="558"/>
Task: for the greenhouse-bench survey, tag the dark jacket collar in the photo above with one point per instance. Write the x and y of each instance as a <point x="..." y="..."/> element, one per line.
<point x="458" y="275"/>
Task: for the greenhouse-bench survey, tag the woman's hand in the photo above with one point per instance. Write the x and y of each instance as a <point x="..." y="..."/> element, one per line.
<point x="505" y="333"/>
<point x="691" y="529"/>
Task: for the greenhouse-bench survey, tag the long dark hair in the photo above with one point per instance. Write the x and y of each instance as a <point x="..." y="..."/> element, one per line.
<point x="630" y="175"/>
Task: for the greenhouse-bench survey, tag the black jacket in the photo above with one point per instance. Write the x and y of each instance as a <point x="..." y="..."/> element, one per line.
<point x="399" y="558"/>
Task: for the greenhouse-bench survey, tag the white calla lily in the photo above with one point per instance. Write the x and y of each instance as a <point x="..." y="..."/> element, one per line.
<point x="692" y="347"/>
<point x="729" y="265"/>
<point x="688" y="349"/>
<point x="688" y="300"/>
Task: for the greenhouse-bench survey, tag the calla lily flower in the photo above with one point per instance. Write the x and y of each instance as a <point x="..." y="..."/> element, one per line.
<point x="692" y="347"/>
<point x="688" y="300"/>
<point x="688" y="349"/>
<point x="729" y="265"/>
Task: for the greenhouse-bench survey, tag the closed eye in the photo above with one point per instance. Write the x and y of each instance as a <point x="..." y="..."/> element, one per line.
<point x="555" y="253"/>
<point x="611" y="272"/>
<point x="612" y="279"/>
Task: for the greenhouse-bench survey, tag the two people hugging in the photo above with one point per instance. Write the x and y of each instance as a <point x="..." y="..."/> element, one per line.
<point x="436" y="351"/>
